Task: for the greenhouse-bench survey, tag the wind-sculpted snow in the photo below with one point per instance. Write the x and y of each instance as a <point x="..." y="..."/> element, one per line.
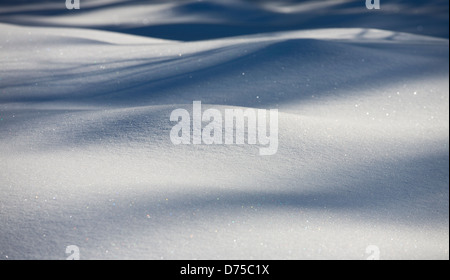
<point x="86" y="157"/>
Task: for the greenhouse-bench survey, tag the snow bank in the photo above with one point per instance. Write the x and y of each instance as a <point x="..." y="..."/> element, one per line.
<point x="85" y="151"/>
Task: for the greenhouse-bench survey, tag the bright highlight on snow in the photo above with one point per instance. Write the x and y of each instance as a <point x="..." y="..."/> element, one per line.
<point x="236" y="121"/>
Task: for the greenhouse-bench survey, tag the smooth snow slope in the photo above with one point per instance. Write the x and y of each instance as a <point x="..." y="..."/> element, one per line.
<point x="86" y="158"/>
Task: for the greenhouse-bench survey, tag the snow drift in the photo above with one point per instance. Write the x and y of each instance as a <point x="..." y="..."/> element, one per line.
<point x="85" y="151"/>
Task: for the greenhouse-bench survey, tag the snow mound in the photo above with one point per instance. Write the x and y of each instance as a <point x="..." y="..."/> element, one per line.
<point x="86" y="157"/>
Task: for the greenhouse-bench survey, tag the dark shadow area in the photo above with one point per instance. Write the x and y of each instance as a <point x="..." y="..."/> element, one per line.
<point x="252" y="17"/>
<point x="395" y="194"/>
<point x="316" y="68"/>
<point x="352" y="14"/>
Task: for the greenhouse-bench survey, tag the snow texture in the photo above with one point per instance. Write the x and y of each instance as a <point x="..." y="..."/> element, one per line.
<point x="86" y="158"/>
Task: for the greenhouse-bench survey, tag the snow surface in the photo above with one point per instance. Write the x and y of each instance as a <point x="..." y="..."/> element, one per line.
<point x="86" y="158"/>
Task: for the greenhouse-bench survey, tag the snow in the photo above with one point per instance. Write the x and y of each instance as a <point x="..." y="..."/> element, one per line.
<point x="86" y="157"/>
